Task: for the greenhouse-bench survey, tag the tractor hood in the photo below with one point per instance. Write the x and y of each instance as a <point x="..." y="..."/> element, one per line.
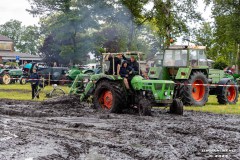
<point x="162" y="90"/>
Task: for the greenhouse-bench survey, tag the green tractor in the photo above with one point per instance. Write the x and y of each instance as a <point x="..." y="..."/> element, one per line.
<point x="74" y="71"/>
<point x="188" y="67"/>
<point x="108" y="92"/>
<point x="9" y="75"/>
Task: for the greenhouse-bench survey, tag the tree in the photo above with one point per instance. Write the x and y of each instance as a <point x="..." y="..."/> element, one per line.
<point x="12" y="29"/>
<point x="205" y="36"/>
<point x="135" y="15"/>
<point x="171" y="17"/>
<point x="26" y="38"/>
<point x="67" y="26"/>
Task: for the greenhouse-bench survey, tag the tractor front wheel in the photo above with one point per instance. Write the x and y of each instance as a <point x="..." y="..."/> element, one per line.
<point x="228" y="94"/>
<point x="176" y="107"/>
<point x="144" y="107"/>
<point x="109" y="96"/>
<point x="195" y="90"/>
<point x="6" y="79"/>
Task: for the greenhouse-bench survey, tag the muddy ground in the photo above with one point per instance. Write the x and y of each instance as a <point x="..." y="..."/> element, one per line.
<point x="63" y="129"/>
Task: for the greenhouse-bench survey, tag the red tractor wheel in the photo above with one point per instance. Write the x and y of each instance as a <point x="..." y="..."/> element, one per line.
<point x="228" y="94"/>
<point x="198" y="90"/>
<point x="195" y="90"/>
<point x="109" y="96"/>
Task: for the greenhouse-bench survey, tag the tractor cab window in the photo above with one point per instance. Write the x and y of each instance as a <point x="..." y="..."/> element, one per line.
<point x="202" y="58"/>
<point x="197" y="58"/>
<point x="175" y="58"/>
<point x="158" y="60"/>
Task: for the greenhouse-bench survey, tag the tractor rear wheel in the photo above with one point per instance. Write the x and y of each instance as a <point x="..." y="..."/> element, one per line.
<point x="144" y="107"/>
<point x="109" y="96"/>
<point x="228" y="94"/>
<point x="176" y="107"/>
<point x="195" y="90"/>
<point x="6" y="79"/>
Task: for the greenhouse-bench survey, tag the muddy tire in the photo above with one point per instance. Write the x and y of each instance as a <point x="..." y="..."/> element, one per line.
<point x="194" y="92"/>
<point x="23" y="81"/>
<point x="109" y="96"/>
<point x="6" y="79"/>
<point x="228" y="94"/>
<point x="144" y="107"/>
<point x="176" y="107"/>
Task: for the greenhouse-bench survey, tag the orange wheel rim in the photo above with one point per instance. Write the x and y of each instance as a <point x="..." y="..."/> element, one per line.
<point x="198" y="90"/>
<point x="106" y="99"/>
<point x="231" y="93"/>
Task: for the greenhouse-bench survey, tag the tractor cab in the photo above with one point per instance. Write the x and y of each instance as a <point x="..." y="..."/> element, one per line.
<point x="179" y="57"/>
<point x="176" y="57"/>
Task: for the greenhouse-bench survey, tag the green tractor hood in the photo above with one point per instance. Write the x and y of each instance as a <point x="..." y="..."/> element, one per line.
<point x="162" y="90"/>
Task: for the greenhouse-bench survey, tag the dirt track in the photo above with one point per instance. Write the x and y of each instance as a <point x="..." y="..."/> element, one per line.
<point x="64" y="129"/>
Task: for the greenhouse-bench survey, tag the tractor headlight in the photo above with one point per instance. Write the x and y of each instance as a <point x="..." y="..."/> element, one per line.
<point x="171" y="92"/>
<point x="144" y="93"/>
<point x="165" y="93"/>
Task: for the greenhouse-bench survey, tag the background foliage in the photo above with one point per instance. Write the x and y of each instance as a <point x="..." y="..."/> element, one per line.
<point x="71" y="29"/>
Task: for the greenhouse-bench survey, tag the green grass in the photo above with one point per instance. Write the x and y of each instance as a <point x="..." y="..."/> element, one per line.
<point x="23" y="92"/>
<point x="212" y="106"/>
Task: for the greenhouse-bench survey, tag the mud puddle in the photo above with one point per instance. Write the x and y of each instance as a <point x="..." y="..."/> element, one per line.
<point x="64" y="129"/>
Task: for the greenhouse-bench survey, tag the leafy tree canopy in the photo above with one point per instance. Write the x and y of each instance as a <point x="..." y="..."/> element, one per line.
<point x="26" y="38"/>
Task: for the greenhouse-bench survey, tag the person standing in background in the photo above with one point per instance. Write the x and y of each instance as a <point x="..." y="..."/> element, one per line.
<point x="34" y="79"/>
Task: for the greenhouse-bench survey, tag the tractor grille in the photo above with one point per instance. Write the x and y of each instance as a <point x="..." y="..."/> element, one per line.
<point x="169" y="86"/>
<point x="158" y="86"/>
<point x="147" y="87"/>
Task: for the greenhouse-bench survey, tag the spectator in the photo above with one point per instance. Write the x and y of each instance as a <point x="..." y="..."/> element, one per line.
<point x="117" y="63"/>
<point x="125" y="71"/>
<point x="54" y="64"/>
<point x="34" y="79"/>
<point x="147" y="68"/>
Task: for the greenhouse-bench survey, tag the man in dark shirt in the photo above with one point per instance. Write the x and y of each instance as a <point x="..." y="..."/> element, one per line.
<point x="34" y="79"/>
<point x="132" y="63"/>
<point x="117" y="64"/>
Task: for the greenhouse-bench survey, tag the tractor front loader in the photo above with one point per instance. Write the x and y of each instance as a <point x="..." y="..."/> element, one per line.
<point x="108" y="92"/>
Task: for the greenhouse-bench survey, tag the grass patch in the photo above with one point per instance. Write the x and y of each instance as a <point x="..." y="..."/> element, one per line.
<point x="212" y="106"/>
<point x="24" y="92"/>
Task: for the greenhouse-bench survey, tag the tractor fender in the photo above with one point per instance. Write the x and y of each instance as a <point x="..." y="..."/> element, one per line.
<point x="183" y="73"/>
<point x="3" y="71"/>
<point x="223" y="81"/>
<point x="98" y="77"/>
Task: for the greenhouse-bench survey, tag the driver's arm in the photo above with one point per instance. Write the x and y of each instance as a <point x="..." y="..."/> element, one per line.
<point x="106" y="58"/>
<point x="118" y="69"/>
<point x="126" y="59"/>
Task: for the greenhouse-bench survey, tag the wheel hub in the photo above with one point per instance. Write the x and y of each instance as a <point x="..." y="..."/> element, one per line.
<point x="231" y="94"/>
<point x="6" y="79"/>
<point x="198" y="90"/>
<point x="106" y="100"/>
